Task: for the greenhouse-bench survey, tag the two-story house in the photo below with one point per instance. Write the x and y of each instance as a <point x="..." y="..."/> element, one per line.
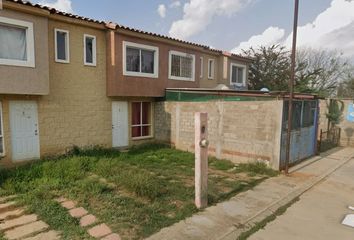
<point x="67" y="80"/>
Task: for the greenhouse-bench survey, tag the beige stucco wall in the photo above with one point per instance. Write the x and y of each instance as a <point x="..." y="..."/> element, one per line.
<point x="225" y="74"/>
<point x="28" y="80"/>
<point x="204" y="81"/>
<point x="239" y="131"/>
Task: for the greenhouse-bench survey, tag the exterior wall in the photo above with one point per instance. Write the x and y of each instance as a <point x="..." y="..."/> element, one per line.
<point x="239" y="131"/>
<point x="224" y="65"/>
<point x="347" y="133"/>
<point x="322" y="120"/>
<point x="204" y="81"/>
<point x="28" y="80"/>
<point x="120" y="85"/>
<point x="77" y="111"/>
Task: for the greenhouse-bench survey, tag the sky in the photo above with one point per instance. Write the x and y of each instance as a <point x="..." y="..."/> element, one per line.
<point x="230" y="25"/>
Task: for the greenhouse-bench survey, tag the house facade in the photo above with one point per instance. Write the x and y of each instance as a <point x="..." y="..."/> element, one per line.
<point x="67" y="80"/>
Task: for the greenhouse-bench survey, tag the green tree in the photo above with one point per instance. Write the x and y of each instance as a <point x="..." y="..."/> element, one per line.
<point x="270" y="68"/>
<point x="316" y="71"/>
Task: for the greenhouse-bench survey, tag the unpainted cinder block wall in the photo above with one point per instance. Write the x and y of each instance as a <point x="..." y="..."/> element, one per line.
<point x="347" y="133"/>
<point x="239" y="131"/>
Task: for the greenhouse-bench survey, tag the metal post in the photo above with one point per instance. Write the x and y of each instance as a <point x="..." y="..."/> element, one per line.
<point x="201" y="160"/>
<point x="291" y="87"/>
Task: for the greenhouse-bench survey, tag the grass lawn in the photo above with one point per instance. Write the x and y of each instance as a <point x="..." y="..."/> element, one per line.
<point x="136" y="193"/>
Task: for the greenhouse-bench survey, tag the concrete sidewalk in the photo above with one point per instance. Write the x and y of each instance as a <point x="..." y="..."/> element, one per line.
<point x="229" y="219"/>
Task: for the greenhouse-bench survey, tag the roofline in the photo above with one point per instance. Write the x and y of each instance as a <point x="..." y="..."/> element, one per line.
<point x="276" y="94"/>
<point x="53" y="13"/>
<point x="115" y="26"/>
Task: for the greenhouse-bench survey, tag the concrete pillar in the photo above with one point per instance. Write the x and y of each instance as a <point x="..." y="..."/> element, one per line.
<point x="201" y="160"/>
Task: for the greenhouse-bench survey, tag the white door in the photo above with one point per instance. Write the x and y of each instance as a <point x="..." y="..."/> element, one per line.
<point x="120" y="128"/>
<point x="24" y="130"/>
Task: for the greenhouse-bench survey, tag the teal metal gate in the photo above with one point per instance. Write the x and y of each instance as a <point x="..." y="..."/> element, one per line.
<point x="304" y="131"/>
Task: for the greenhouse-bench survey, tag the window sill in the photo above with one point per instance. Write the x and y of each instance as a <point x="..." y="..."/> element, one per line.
<point x="137" y="74"/>
<point x="62" y="61"/>
<point x="142" y="138"/>
<point x="238" y="84"/>
<point x="17" y="63"/>
<point x="90" y="64"/>
<point x="181" y="79"/>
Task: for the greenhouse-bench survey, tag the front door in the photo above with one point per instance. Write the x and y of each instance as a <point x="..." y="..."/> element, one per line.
<point x="24" y="130"/>
<point x="120" y="127"/>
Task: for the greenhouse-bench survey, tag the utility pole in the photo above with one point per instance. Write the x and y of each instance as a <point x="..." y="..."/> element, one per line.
<point x="291" y="87"/>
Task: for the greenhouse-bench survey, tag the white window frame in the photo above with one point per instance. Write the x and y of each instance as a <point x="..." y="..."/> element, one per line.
<point x="141" y="120"/>
<point x="67" y="47"/>
<point x="141" y="47"/>
<point x="211" y="72"/>
<point x="94" y="50"/>
<point x="182" y="54"/>
<point x="28" y="26"/>
<point x="243" y="75"/>
<point x="3" y="153"/>
<point x="201" y="67"/>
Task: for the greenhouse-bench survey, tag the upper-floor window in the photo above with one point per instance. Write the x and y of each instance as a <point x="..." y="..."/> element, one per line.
<point x="62" y="50"/>
<point x="2" y="148"/>
<point x="89" y="50"/>
<point x="238" y="75"/>
<point x="140" y="60"/>
<point x="182" y="66"/>
<point x="211" y="68"/>
<point x="201" y="67"/>
<point x="16" y="43"/>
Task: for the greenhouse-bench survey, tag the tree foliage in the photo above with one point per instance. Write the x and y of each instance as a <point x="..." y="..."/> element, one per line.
<point x="346" y="88"/>
<point x="316" y="71"/>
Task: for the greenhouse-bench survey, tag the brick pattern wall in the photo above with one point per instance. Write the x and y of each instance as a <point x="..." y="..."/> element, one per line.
<point x="239" y="131"/>
<point x="77" y="110"/>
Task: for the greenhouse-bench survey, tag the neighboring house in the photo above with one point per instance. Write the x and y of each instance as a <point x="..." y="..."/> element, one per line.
<point x="52" y="84"/>
<point x="67" y="80"/>
<point x="224" y="68"/>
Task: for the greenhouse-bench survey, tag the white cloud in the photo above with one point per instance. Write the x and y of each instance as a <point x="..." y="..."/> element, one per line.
<point x="161" y="10"/>
<point x="175" y="4"/>
<point x="270" y="36"/>
<point x="338" y="15"/>
<point x="61" y="5"/>
<point x="332" y="29"/>
<point x="198" y="14"/>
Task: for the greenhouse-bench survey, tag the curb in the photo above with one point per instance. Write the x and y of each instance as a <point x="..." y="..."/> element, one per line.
<point x="234" y="232"/>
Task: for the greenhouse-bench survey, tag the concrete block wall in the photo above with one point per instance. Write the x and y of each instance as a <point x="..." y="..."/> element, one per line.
<point x="240" y="131"/>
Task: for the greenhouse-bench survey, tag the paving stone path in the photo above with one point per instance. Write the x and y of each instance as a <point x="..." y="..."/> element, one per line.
<point x="15" y="224"/>
<point x="88" y="221"/>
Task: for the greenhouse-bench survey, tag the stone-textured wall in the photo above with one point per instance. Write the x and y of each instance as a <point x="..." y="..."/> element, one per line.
<point x="77" y="111"/>
<point x="239" y="131"/>
<point x="347" y="134"/>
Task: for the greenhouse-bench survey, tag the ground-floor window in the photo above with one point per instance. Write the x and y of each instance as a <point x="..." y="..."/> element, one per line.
<point x="1" y="133"/>
<point x="141" y="119"/>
